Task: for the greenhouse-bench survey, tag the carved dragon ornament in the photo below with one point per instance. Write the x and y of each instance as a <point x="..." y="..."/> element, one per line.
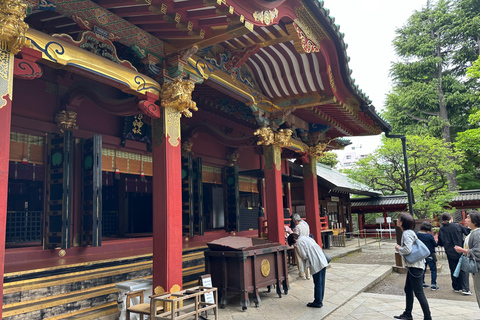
<point x="267" y="137"/>
<point x="12" y="26"/>
<point x="178" y="95"/>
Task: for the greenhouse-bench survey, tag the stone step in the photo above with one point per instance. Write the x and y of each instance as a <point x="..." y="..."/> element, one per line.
<point x="49" y="306"/>
<point x="83" y="291"/>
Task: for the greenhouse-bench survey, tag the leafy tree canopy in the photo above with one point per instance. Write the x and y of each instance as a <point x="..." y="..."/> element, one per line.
<point x="329" y="159"/>
<point x="430" y="94"/>
<point x="429" y="159"/>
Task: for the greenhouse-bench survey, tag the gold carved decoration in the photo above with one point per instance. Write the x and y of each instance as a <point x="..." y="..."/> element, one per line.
<point x="265" y="268"/>
<point x="332" y="81"/>
<point x="310" y="24"/>
<point x="12" y="26"/>
<point x="308" y="45"/>
<point x="137" y="124"/>
<point x="266" y="17"/>
<point x="318" y="150"/>
<point x="282" y="138"/>
<point x="66" y="120"/>
<point x="187" y="148"/>
<point x="62" y="253"/>
<point x="178" y="95"/>
<point x="267" y="137"/>
<point x="233" y="158"/>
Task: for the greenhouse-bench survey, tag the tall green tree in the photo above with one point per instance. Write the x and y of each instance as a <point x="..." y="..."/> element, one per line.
<point x="429" y="159"/>
<point x="469" y="140"/>
<point x="430" y="94"/>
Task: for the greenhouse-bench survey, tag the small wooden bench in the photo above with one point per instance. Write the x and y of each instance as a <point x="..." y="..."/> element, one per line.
<point x="187" y="303"/>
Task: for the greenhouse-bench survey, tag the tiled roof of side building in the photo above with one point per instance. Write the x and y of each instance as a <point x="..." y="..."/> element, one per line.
<point x="463" y="195"/>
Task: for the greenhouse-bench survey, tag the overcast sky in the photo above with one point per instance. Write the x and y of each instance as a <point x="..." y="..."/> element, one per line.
<point x="369" y="28"/>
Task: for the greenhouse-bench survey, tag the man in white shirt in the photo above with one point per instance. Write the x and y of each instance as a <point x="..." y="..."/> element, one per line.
<point x="302" y="229"/>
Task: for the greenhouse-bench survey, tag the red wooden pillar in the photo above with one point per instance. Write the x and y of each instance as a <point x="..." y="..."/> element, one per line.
<point x="6" y="86"/>
<point x="167" y="202"/>
<point x="288" y="189"/>
<point x="273" y="192"/>
<point x="310" y="189"/>
<point x="361" y="222"/>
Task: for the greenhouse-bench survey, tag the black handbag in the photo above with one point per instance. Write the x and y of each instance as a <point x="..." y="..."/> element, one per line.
<point x="327" y="257"/>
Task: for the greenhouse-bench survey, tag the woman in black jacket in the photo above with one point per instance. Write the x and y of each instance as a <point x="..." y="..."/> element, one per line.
<point x="451" y="235"/>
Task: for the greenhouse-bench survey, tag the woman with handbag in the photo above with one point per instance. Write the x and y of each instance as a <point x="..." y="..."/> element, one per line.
<point x="472" y="246"/>
<point x="413" y="282"/>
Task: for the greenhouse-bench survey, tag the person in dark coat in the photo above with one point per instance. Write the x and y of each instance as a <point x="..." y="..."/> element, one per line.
<point x="451" y="235"/>
<point x="427" y="238"/>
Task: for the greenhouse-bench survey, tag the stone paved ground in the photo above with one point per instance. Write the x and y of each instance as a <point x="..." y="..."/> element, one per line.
<point x="345" y="296"/>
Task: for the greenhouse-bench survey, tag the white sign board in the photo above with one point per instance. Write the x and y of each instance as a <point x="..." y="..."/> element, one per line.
<point x="382" y="220"/>
<point x="207" y="282"/>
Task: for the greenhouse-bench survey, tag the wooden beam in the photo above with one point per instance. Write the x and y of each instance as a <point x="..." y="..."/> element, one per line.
<point x="231" y="32"/>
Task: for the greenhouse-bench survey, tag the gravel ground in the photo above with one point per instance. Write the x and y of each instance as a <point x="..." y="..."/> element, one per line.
<point x="373" y="253"/>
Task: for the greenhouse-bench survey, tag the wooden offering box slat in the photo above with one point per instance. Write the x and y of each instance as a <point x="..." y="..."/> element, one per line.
<point x="245" y="265"/>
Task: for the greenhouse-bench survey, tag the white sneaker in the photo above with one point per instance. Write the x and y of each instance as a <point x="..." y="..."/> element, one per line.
<point x="308" y="277"/>
<point x="467" y="293"/>
<point x="301" y="278"/>
<point x="457" y="291"/>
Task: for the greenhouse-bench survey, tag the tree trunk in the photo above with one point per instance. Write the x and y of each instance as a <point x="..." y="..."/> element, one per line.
<point x="451" y="177"/>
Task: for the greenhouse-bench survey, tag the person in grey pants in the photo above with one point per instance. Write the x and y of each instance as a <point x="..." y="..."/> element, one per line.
<point x="472" y="246"/>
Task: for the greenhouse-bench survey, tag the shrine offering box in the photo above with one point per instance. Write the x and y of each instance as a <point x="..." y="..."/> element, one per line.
<point x="244" y="265"/>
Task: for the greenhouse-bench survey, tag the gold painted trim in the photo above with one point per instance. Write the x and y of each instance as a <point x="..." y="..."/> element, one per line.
<point x="171" y="123"/>
<point x="18" y="273"/>
<point x="52" y="301"/>
<point x="206" y="70"/>
<point x="111" y="307"/>
<point x="310" y="24"/>
<point x="6" y="73"/>
<point x="60" y="53"/>
<point x="297" y="146"/>
<point x="44" y="282"/>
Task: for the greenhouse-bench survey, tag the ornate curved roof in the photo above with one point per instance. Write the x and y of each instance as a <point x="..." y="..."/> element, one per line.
<point x="287" y="58"/>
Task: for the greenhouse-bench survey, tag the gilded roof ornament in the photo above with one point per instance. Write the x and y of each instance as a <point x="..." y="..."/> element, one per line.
<point x="66" y="120"/>
<point x="12" y="26"/>
<point x="319" y="149"/>
<point x="178" y="95"/>
<point x="232" y="158"/>
<point x="187" y="148"/>
<point x="267" y="137"/>
<point x="266" y="17"/>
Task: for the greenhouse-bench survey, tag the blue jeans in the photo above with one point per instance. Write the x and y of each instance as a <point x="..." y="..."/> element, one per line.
<point x="431" y="262"/>
<point x="319" y="281"/>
